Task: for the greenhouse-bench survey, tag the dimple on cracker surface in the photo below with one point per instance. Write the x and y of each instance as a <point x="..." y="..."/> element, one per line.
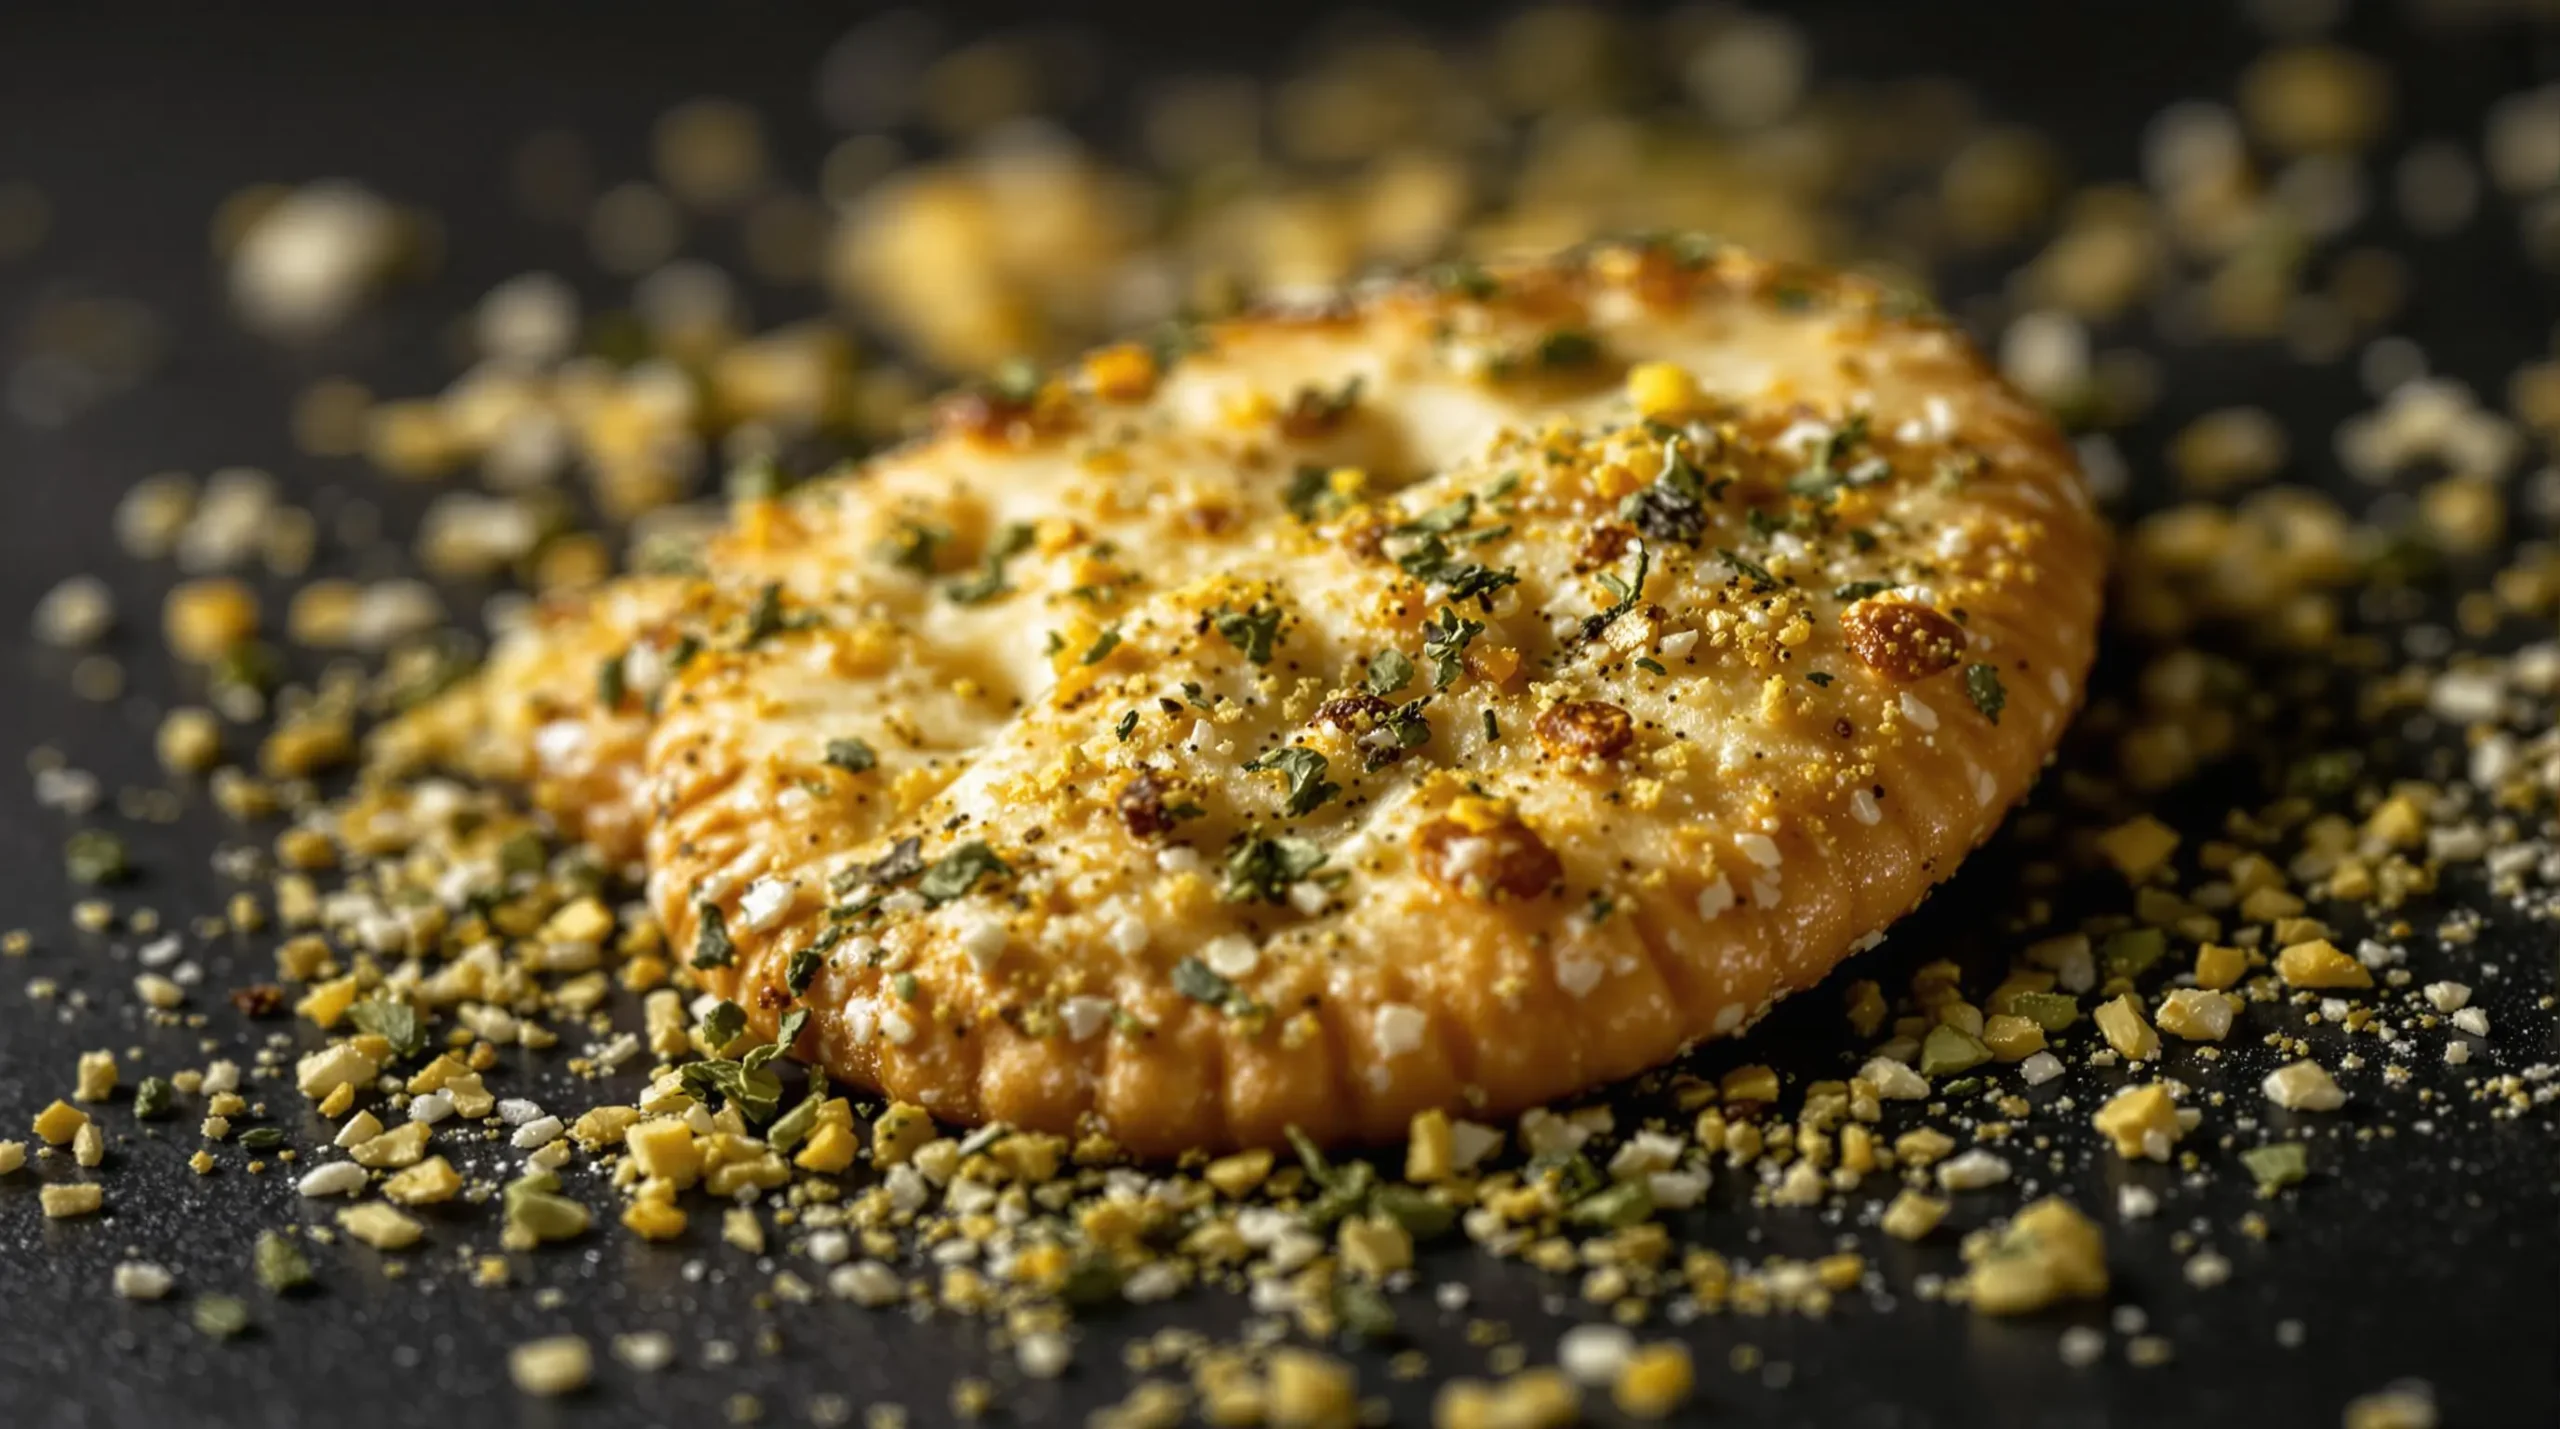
<point x="1461" y="696"/>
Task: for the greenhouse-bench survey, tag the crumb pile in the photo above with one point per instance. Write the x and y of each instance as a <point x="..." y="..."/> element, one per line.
<point x="2237" y="935"/>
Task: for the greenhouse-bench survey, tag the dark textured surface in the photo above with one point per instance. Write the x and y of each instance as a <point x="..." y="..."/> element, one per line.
<point x="2434" y="1255"/>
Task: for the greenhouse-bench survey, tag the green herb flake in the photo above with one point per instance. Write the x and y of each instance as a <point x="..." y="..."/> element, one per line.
<point x="1127" y="726"/>
<point x="1627" y="593"/>
<point x="1196" y="980"/>
<point x="711" y="945"/>
<point x="745" y="1084"/>
<point x="906" y="987"/>
<point x="2052" y="1011"/>
<point x="989" y="581"/>
<point x="1758" y="573"/>
<point x="610" y="685"/>
<point x="1016" y="381"/>
<point x="220" y="1317"/>
<point x="1567" y="348"/>
<point x="1948" y="1050"/>
<point x="1461" y="279"/>
<point x="1982" y="686"/>
<point x="725" y="1023"/>
<point x="1311" y="496"/>
<point x="280" y="1264"/>
<point x="1444" y="643"/>
<point x="1442" y="519"/>
<point x="802" y="970"/>
<point x="1262" y="869"/>
<point x="764" y="619"/>
<point x="1389" y="671"/>
<point x="262" y="1138"/>
<point x="2276" y="1166"/>
<point x="797" y="1123"/>
<point x="1304" y="769"/>
<point x="1103" y="645"/>
<point x="915" y="547"/>
<point x="1364" y="1311"/>
<point x="392" y="1019"/>
<point x="154" y="1099"/>
<point x="1616" y="1208"/>
<point x="1860" y="590"/>
<point x="95" y="857"/>
<point x="955" y="873"/>
<point x="1673" y="506"/>
<point x="851" y="755"/>
<point x="2128" y="953"/>
<point x="1256" y="632"/>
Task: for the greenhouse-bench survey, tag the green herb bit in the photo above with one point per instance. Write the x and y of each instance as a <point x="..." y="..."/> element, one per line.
<point x="1364" y="1311"/>
<point x="95" y="857"/>
<point x="391" y="1018"/>
<point x="746" y="1084"/>
<point x="1442" y="519"/>
<point x="1311" y="496"/>
<point x="1196" y="980"/>
<point x="2128" y="953"/>
<point x="1982" y="686"/>
<point x="1015" y="381"/>
<point x="1424" y="1216"/>
<point x="280" y="1264"/>
<point x="802" y="970"/>
<point x="711" y="945"/>
<point x="851" y="755"/>
<point x="2052" y="1011"/>
<point x="764" y="618"/>
<point x="154" y="1099"/>
<point x="915" y="547"/>
<point x="2276" y="1166"/>
<point x="220" y="1317"/>
<point x="797" y="1123"/>
<point x="1620" y="1206"/>
<point x="1759" y="573"/>
<point x="1949" y="1050"/>
<point x="1256" y="631"/>
<point x="1627" y="592"/>
<point x="1444" y="643"/>
<point x="1567" y="348"/>
<point x="610" y="685"/>
<point x="1389" y="671"/>
<point x="1673" y="506"/>
<point x="757" y="479"/>
<point x="1860" y="590"/>
<point x="1103" y="645"/>
<point x="1304" y="769"/>
<point x="1262" y="869"/>
<point x="955" y="873"/>
<point x="1462" y="279"/>
<point x="1127" y="726"/>
<point x="262" y="1138"/>
<point x="989" y="582"/>
<point x="725" y="1023"/>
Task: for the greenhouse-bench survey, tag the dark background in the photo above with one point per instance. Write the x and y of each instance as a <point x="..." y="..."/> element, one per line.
<point x="2429" y="1256"/>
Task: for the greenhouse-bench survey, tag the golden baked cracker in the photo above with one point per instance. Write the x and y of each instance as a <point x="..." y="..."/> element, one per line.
<point x="1462" y="697"/>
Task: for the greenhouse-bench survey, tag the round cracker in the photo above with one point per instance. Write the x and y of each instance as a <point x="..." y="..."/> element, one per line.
<point x="1060" y="764"/>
